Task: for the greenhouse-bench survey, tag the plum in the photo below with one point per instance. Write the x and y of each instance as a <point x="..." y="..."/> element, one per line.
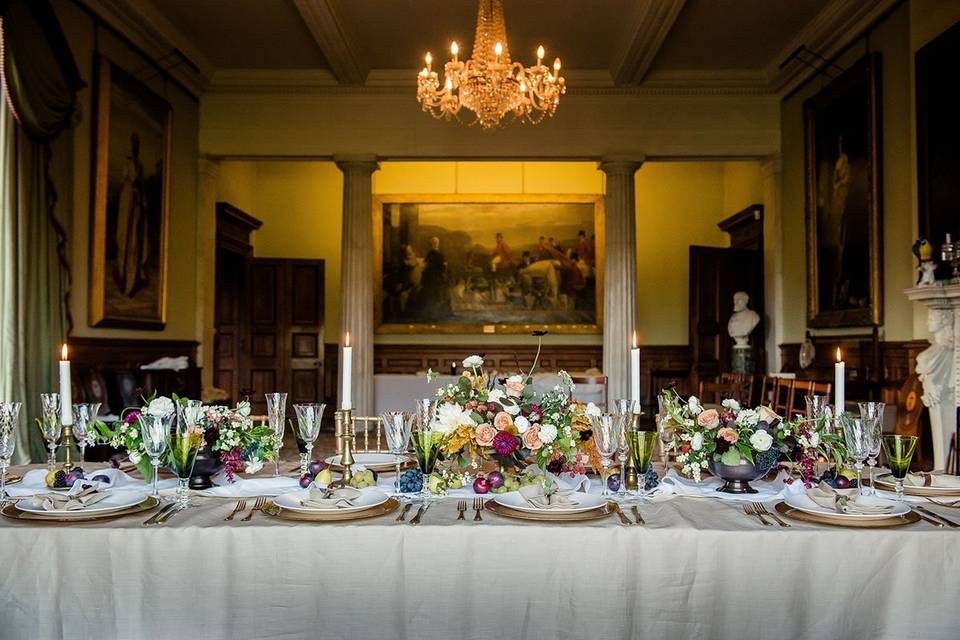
<point x="495" y="478"/>
<point x="316" y="467"/>
<point x="305" y="480"/>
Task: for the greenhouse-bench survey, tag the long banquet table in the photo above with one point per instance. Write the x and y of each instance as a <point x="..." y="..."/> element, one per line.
<point x="700" y="568"/>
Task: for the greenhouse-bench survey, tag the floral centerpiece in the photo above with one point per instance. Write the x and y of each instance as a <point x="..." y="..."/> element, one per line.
<point x="809" y="442"/>
<point x="479" y="420"/>
<point x="230" y="433"/>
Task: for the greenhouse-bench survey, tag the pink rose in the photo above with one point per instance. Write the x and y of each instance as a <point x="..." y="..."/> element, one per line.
<point x="728" y="434"/>
<point x="709" y="419"/>
<point x="502" y="420"/>
<point x="766" y="414"/>
<point x="514" y="389"/>
<point x="485" y="435"/>
<point x="531" y="438"/>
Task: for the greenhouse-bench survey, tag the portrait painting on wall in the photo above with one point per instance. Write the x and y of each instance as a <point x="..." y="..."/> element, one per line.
<point x="843" y="209"/>
<point x="489" y="264"/>
<point x="128" y="262"/>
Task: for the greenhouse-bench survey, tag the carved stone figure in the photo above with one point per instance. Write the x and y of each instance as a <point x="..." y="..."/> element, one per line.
<point x="743" y="321"/>
<point x="935" y="370"/>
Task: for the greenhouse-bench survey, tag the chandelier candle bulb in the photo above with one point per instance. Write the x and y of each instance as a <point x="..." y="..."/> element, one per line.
<point x="346" y="399"/>
<point x="429" y="60"/>
<point x="540" y="54"/>
<point x="66" y="392"/>
<point x="635" y="370"/>
<point x="839" y="380"/>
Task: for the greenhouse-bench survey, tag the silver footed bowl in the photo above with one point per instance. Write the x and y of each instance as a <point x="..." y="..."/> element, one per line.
<point x="737" y="478"/>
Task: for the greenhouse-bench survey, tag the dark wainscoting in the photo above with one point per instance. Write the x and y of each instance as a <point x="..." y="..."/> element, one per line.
<point x="659" y="364"/>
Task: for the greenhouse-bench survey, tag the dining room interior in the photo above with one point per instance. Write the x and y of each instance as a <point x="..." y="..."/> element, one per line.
<point x="246" y="245"/>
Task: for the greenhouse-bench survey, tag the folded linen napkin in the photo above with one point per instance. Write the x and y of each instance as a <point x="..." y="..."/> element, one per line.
<point x="554" y="498"/>
<point x="34" y="482"/>
<point x="336" y="499"/>
<point x="936" y="480"/>
<point x="69" y="502"/>
<point x="847" y="500"/>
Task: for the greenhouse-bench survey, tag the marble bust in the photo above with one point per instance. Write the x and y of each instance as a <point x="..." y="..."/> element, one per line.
<point x="743" y="320"/>
<point x="935" y="370"/>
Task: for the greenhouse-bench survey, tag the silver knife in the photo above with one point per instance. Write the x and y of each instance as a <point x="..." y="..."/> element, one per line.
<point x="934" y="514"/>
<point x="403" y="512"/>
<point x="152" y="520"/>
<point x="924" y="516"/>
<point x="420" y="512"/>
<point x="177" y="508"/>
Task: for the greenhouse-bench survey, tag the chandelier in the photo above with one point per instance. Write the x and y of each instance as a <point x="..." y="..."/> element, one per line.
<point x="489" y="83"/>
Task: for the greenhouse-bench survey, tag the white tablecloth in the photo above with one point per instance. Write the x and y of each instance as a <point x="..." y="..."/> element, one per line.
<point x="700" y="568"/>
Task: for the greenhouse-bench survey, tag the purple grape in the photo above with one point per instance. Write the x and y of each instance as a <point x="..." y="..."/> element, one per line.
<point x="72" y="477"/>
<point x="613" y="482"/>
<point x="305" y="481"/>
<point x="842" y="482"/>
<point x="316" y="467"/>
<point x="495" y="478"/>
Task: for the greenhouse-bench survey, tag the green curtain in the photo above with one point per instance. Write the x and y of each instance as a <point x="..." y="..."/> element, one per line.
<point x="32" y="282"/>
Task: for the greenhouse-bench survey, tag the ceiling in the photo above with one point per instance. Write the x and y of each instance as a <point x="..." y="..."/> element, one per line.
<point x="610" y="42"/>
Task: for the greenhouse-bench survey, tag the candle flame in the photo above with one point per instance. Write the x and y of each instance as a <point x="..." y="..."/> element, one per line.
<point x="839" y="357"/>
<point x="346" y="341"/>
<point x="634" y="339"/>
<point x="63" y="351"/>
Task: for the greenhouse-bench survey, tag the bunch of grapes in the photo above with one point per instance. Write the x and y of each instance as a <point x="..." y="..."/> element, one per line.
<point x="651" y="480"/>
<point x="411" y="481"/>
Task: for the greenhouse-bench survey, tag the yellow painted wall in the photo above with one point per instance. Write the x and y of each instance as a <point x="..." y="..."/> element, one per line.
<point x="892" y="39"/>
<point x="678" y="203"/>
<point x="75" y="199"/>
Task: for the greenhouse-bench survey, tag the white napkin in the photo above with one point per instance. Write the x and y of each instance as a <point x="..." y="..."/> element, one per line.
<point x="674" y="484"/>
<point x="934" y="480"/>
<point x="566" y="481"/>
<point x="535" y="496"/>
<point x="847" y="500"/>
<point x="336" y="499"/>
<point x="34" y="481"/>
<point x="69" y="501"/>
<point x="253" y="487"/>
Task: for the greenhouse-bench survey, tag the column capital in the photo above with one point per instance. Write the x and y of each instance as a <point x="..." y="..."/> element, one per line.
<point x="621" y="164"/>
<point x="357" y="163"/>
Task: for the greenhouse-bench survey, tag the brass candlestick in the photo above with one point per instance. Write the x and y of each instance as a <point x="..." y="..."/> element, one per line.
<point x="630" y="476"/>
<point x="344" y="430"/>
<point x="68" y="445"/>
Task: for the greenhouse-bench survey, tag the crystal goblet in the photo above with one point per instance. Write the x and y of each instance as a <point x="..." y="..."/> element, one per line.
<point x="84" y="417"/>
<point x="856" y="434"/>
<point x="50" y="423"/>
<point x="9" y="422"/>
<point x="899" y="451"/>
<point x="309" y="416"/>
<point x="153" y="433"/>
<point x="397" y="426"/>
<point x="276" y="415"/>
<point x="873" y="411"/>
<point x="607" y="431"/>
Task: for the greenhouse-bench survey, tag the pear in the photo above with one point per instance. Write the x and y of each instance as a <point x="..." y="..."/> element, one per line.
<point x="325" y="477"/>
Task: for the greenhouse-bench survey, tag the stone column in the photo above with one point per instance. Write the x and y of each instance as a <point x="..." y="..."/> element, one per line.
<point x="772" y="260"/>
<point x="620" y="271"/>
<point x="207" y="170"/>
<point x="356" y="276"/>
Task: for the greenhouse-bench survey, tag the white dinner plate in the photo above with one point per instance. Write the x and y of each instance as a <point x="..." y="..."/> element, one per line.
<point x="372" y="461"/>
<point x="368" y="499"/>
<point x="887" y="482"/>
<point x="802" y="502"/>
<point x="116" y="501"/>
<point x="582" y="502"/>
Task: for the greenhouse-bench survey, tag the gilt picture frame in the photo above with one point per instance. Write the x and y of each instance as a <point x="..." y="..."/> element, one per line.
<point x="843" y="199"/>
<point x="131" y="199"/>
<point x="488" y="264"/>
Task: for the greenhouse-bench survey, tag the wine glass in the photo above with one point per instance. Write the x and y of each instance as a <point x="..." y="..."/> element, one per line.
<point x="816" y="406"/>
<point x="84" y="417"/>
<point x="856" y="433"/>
<point x="50" y="423"/>
<point x="607" y="431"/>
<point x="873" y="411"/>
<point x="184" y="441"/>
<point x="899" y="452"/>
<point x="642" y="445"/>
<point x="663" y="428"/>
<point x="309" y="416"/>
<point x="426" y="444"/>
<point x="9" y="419"/>
<point x="627" y="409"/>
<point x="397" y="426"/>
<point x="276" y="413"/>
<point x="153" y="433"/>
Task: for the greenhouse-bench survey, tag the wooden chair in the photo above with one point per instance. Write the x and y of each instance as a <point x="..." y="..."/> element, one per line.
<point x="766" y="390"/>
<point x="599" y="381"/>
<point x="802" y="389"/>
<point x="717" y="392"/>
<point x="782" y="395"/>
<point x="362" y="426"/>
<point x="745" y="382"/>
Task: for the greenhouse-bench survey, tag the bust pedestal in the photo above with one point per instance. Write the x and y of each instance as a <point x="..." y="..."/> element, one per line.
<point x="939" y="365"/>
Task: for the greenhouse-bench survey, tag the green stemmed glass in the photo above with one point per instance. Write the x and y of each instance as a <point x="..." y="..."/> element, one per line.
<point x="642" y="444"/>
<point x="426" y="444"/>
<point x="183" y="442"/>
<point x="899" y="452"/>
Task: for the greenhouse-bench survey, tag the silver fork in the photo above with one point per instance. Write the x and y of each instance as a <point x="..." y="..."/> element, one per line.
<point x="420" y="512"/>
<point x="462" y="508"/>
<point x="761" y="509"/>
<point x="478" y="507"/>
<point x="256" y="507"/>
<point x="747" y="509"/>
<point x="152" y="520"/>
<point x="241" y="505"/>
<point x="177" y="508"/>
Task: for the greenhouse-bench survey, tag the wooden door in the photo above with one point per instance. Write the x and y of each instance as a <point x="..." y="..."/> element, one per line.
<point x="286" y="330"/>
<point x="715" y="275"/>
<point x="230" y="321"/>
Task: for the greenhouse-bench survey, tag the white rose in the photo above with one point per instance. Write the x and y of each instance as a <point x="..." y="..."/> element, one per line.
<point x="748" y="418"/>
<point x="521" y="423"/>
<point x="697" y="442"/>
<point x="451" y="416"/>
<point x="592" y="410"/>
<point x="515" y="378"/>
<point x="761" y="440"/>
<point x="731" y="404"/>
<point x="243" y="408"/>
<point x="693" y="404"/>
<point x="253" y="465"/>
<point x="135" y="457"/>
<point x="512" y="409"/>
<point x="496" y="395"/>
<point x="472" y="362"/>
<point x="548" y="433"/>
<point x="160" y="407"/>
<point x="814" y="440"/>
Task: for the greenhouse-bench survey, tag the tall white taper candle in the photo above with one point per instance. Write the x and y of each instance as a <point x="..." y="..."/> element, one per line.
<point x="66" y="393"/>
<point x="345" y="397"/>
<point x="635" y="370"/>
<point x="839" y="381"/>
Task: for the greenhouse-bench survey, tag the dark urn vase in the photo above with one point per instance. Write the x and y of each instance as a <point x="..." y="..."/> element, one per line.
<point x="737" y="478"/>
<point x="208" y="464"/>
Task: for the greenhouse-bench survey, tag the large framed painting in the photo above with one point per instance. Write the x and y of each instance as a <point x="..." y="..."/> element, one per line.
<point x="128" y="228"/>
<point x="843" y="208"/>
<point x="488" y="263"/>
<point x="938" y="138"/>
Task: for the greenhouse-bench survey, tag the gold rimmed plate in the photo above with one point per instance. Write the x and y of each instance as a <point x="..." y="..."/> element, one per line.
<point x="332" y="515"/>
<point x="11" y="511"/>
<point x="839" y="521"/>
<point x="546" y="515"/>
<point x="379" y="462"/>
<point x="887" y="483"/>
<point x="12" y="479"/>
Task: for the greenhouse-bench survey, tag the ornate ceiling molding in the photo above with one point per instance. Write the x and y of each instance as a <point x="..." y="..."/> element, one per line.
<point x="328" y="29"/>
<point x="653" y="19"/>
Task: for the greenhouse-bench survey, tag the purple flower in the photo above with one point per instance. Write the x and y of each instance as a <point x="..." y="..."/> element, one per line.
<point x="536" y="410"/>
<point x="131" y="417"/>
<point x="504" y="443"/>
<point x="232" y="462"/>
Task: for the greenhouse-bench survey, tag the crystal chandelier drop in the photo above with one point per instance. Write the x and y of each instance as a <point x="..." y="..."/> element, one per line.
<point x="489" y="83"/>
